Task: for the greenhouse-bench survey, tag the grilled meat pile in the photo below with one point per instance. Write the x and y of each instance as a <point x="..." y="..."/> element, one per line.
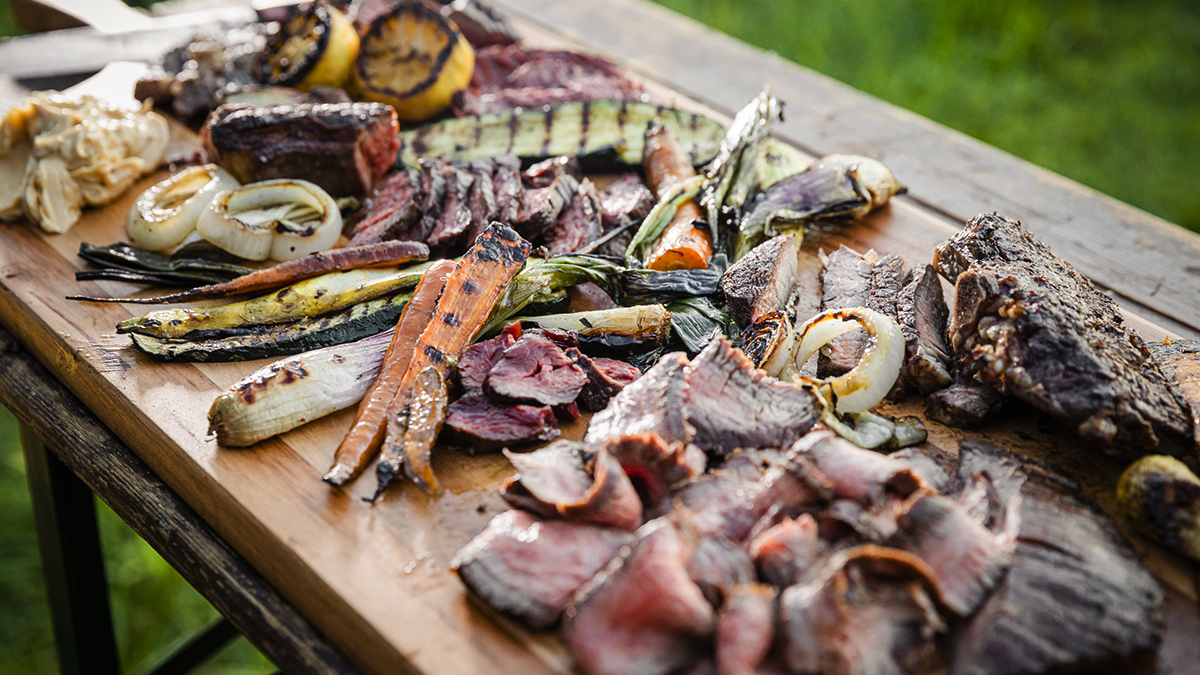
<point x="661" y="550"/>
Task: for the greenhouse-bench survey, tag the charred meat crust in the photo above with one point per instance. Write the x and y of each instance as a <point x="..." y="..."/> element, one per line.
<point x="1028" y="322"/>
<point x="762" y="281"/>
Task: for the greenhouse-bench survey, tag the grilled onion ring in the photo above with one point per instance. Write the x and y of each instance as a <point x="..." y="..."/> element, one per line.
<point x="281" y="219"/>
<point x="163" y="216"/>
<point x="868" y="382"/>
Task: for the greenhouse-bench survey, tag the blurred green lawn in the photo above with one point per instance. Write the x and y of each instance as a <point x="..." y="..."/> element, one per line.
<point x="1105" y="92"/>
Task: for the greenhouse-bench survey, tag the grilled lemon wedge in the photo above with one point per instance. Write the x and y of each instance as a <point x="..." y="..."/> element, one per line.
<point x="314" y="46"/>
<point x="414" y="60"/>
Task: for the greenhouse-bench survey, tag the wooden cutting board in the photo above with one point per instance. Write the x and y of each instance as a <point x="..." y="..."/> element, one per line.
<point x="375" y="578"/>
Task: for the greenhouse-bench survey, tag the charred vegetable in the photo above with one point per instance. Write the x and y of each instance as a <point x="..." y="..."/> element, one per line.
<point x="366" y="433"/>
<point x="294" y="391"/>
<point x="835" y="186"/>
<point x="750" y="127"/>
<point x="314" y="46"/>
<point x="353" y="323"/>
<point x="695" y="322"/>
<point x="309" y="298"/>
<point x="156" y="267"/>
<point x="1161" y="497"/>
<point x="593" y="130"/>
<point x="686" y="242"/>
<point x="640" y="287"/>
<point x="339" y="260"/>
<point x="163" y="216"/>
<point x="414" y="60"/>
<point x="768" y="342"/>
<point x="869" y="381"/>
<point x="644" y="325"/>
<point x="654" y="226"/>
<point x="277" y="219"/>
<point x="472" y="291"/>
<point x="541" y="279"/>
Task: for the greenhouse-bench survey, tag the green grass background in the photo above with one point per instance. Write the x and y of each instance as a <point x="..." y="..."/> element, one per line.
<point x="1105" y="92"/>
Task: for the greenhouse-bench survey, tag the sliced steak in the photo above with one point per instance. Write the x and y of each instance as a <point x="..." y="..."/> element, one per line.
<point x="478" y="359"/>
<point x="889" y="276"/>
<point x="1180" y="362"/>
<point x="936" y="467"/>
<point x="861" y="475"/>
<point x="482" y="426"/>
<point x="655" y="466"/>
<point x="806" y="301"/>
<point x="433" y="187"/>
<point x="654" y="404"/>
<point x="482" y="199"/>
<point x="1027" y="321"/>
<point x="745" y="629"/>
<point x="1076" y="597"/>
<point x="763" y="280"/>
<point x="579" y="223"/>
<point x="543" y="173"/>
<point x="965" y="404"/>
<point x="846" y="283"/>
<point x="624" y="202"/>
<point x="733" y="405"/>
<point x="345" y="148"/>
<point x="922" y="314"/>
<point x="450" y="230"/>
<point x="643" y="615"/>
<point x="718" y="566"/>
<point x="510" y="192"/>
<point x="785" y="551"/>
<point x="588" y="297"/>
<point x="531" y="567"/>
<point x="606" y="379"/>
<point x="868" y="613"/>
<point x="393" y="211"/>
<point x="542" y="206"/>
<point x="535" y="370"/>
<point x="565" y="480"/>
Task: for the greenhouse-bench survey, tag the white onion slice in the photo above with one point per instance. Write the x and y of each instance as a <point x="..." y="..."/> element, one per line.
<point x="868" y="382"/>
<point x="280" y="219"/>
<point x="166" y="214"/>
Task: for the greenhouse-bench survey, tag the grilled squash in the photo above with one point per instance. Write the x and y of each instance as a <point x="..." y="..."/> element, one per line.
<point x="414" y="60"/>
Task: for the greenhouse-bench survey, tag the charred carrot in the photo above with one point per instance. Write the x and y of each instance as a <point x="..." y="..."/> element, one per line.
<point x="366" y="434"/>
<point x="683" y="245"/>
<point x="471" y="292"/>
<point x="381" y="254"/>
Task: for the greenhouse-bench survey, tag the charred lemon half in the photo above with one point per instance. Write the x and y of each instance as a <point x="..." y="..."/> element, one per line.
<point x="314" y="46"/>
<point x="414" y="60"/>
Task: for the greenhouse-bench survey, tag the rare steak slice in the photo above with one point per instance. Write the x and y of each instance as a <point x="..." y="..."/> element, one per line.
<point x="606" y="378"/>
<point x="543" y="173"/>
<point x="1025" y="320"/>
<point x="847" y="284"/>
<point x="623" y="203"/>
<point x="482" y="199"/>
<point x="734" y="405"/>
<point x="579" y="223"/>
<point x="478" y="359"/>
<point x="655" y="466"/>
<point x="535" y="370"/>
<point x="542" y="206"/>
<point x="745" y="629"/>
<point x="476" y="423"/>
<point x="531" y="567"/>
<point x="450" y="230"/>
<point x="923" y="317"/>
<point x="506" y="183"/>
<point x="566" y="480"/>
<point x="784" y="552"/>
<point x="1076" y="597"/>
<point x="763" y="280"/>
<point x="652" y="404"/>
<point x="644" y="615"/>
<point x="345" y="148"/>
<point x="393" y="211"/>
<point x="860" y="475"/>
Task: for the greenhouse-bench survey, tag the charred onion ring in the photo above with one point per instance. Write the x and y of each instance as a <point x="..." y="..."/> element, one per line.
<point x="868" y="382"/>
<point x="167" y="213"/>
<point x="278" y="219"/>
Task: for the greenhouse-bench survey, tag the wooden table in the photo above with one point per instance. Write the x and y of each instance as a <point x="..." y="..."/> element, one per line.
<point x="374" y="579"/>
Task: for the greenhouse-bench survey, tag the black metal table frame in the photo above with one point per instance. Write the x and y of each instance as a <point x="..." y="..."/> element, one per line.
<point x="69" y="455"/>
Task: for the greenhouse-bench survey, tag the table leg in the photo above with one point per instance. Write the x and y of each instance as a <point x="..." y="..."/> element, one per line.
<point x="72" y="563"/>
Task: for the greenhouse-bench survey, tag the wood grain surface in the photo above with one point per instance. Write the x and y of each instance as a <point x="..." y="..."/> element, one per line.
<point x="374" y="578"/>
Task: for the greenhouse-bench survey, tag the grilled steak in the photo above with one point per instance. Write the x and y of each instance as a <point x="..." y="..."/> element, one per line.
<point x="654" y="403"/>
<point x="846" y="283"/>
<point x="433" y="187"/>
<point x="965" y="404"/>
<point x="579" y="223"/>
<point x="644" y="615"/>
<point x="783" y="552"/>
<point x="606" y="378"/>
<point x="653" y="465"/>
<point x="393" y="211"/>
<point x="625" y="201"/>
<point x="922" y="314"/>
<point x="733" y="405"/>
<point x="535" y="370"/>
<point x="531" y="567"/>
<point x="1027" y="321"/>
<point x="450" y="231"/>
<point x="762" y="281"/>
<point x="481" y="25"/>
<point x="345" y="148"/>
<point x="478" y="359"/>
<point x="1180" y="362"/>
<point x="543" y="173"/>
<point x="476" y="423"/>
<point x="1075" y="599"/>
<point x="565" y="480"/>
<point x="860" y="475"/>
<point x="745" y="629"/>
<point x="888" y="278"/>
<point x="718" y="566"/>
<point x="542" y="206"/>
<point x="482" y="199"/>
<point x="510" y="192"/>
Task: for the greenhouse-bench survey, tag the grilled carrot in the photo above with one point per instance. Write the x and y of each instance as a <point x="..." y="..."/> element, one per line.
<point x="338" y="260"/>
<point x="471" y="292"/>
<point x="683" y="246"/>
<point x="362" y="441"/>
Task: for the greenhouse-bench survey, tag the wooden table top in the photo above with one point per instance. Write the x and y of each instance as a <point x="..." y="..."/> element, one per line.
<point x="374" y="578"/>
